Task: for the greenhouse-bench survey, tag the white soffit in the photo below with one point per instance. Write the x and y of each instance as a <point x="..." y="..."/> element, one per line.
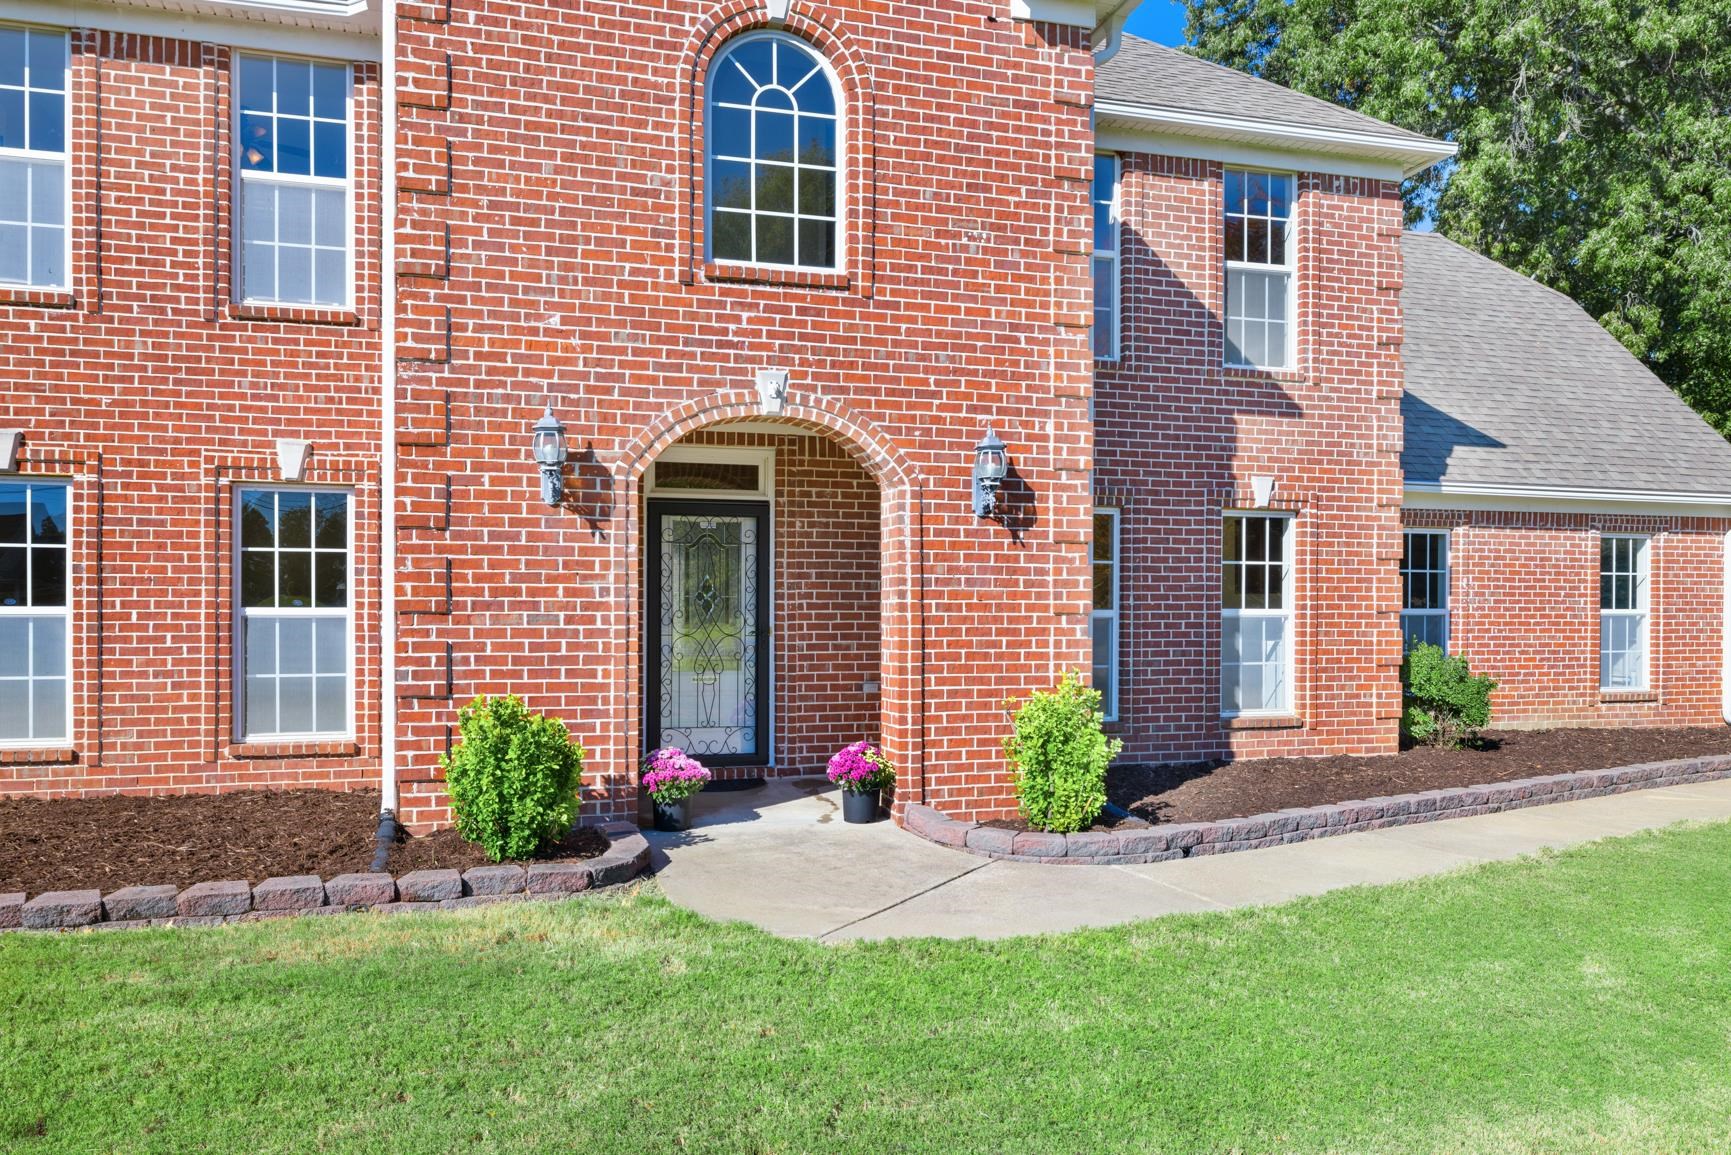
<point x="1532" y="499"/>
<point x="1149" y="128"/>
<point x="343" y="29"/>
<point x="1088" y="14"/>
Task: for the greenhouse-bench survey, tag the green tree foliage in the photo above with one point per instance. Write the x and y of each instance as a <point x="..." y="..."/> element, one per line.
<point x="512" y="778"/>
<point x="1446" y="703"/>
<point x="1595" y="143"/>
<point x="1059" y="755"/>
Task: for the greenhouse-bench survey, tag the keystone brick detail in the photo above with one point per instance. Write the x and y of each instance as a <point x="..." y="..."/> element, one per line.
<point x="1229" y="835"/>
<point x="135" y="902"/>
<point x="214" y="900"/>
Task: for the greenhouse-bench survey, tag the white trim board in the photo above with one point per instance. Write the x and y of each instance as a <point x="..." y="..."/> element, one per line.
<point x="1236" y="155"/>
<point x="1409" y="155"/>
<point x="1536" y="499"/>
<point x="289" y="37"/>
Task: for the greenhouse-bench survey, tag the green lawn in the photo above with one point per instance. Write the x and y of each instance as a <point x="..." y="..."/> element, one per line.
<point x="1576" y="1002"/>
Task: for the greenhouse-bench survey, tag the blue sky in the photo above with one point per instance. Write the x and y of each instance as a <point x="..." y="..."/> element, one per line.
<point x="1161" y="20"/>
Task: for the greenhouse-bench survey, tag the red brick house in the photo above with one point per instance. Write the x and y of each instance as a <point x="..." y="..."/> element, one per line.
<point x="285" y="288"/>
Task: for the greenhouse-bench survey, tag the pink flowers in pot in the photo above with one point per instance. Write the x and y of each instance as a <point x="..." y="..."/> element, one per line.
<point x="671" y="775"/>
<point x="861" y="768"/>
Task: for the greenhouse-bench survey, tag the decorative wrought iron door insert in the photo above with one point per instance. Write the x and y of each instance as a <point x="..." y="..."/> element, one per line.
<point x="708" y="617"/>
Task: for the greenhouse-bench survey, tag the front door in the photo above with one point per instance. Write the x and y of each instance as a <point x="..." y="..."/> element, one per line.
<point x="708" y="616"/>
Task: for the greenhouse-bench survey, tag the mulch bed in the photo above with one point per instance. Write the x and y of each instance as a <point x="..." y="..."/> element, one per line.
<point x="1206" y="791"/>
<point x="108" y="843"/>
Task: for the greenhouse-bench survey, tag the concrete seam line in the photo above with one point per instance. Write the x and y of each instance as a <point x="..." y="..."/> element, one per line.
<point x="901" y="901"/>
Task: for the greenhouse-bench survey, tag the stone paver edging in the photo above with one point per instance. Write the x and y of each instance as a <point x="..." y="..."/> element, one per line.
<point x="218" y="902"/>
<point x="1140" y="844"/>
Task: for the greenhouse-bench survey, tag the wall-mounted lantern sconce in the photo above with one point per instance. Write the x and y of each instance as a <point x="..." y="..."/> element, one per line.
<point x="991" y="464"/>
<point x="549" y="451"/>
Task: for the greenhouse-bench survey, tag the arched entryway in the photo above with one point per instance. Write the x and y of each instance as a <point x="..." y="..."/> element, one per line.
<point x="775" y="614"/>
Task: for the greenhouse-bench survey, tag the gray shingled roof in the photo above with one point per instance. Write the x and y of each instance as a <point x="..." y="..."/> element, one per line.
<point x="1511" y="383"/>
<point x="1143" y="72"/>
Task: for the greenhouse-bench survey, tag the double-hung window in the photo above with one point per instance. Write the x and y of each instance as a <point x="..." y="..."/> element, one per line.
<point x="1424" y="589"/>
<point x="1105" y="198"/>
<point x="296" y="621"/>
<point x="1103" y="624"/>
<point x="1260" y="248"/>
<point x="34" y="239"/>
<point x="1622" y="613"/>
<point x="292" y="143"/>
<point x="35" y="638"/>
<point x="1256" y="615"/>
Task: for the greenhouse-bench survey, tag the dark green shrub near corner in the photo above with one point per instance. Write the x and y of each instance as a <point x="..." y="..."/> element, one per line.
<point x="1059" y="757"/>
<point x="512" y="777"/>
<point x="1446" y="704"/>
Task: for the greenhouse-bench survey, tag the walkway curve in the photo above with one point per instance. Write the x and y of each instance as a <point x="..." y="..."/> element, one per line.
<point x="781" y="858"/>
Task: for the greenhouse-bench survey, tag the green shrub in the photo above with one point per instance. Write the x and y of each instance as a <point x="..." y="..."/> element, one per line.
<point x="1446" y="703"/>
<point x="1059" y="756"/>
<point x="512" y="778"/>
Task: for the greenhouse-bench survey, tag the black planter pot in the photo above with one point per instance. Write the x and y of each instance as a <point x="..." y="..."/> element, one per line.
<point x="859" y="805"/>
<point x="672" y="816"/>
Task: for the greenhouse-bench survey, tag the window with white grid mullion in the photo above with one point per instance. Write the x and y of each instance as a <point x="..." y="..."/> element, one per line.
<point x="1256" y="614"/>
<point x="1424" y="583"/>
<point x="34" y="175"/>
<point x="35" y="624"/>
<point x="1259" y="249"/>
<point x="292" y="141"/>
<point x="1623" y="613"/>
<point x="296" y="621"/>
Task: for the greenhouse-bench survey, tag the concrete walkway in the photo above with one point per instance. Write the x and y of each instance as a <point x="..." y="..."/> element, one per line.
<point x="782" y="858"/>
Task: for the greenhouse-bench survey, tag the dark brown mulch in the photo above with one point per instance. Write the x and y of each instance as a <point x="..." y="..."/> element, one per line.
<point x="108" y="843"/>
<point x="444" y="850"/>
<point x="1205" y="791"/>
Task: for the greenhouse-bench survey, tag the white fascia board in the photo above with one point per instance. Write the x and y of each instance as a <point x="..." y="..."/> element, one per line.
<point x="1076" y="13"/>
<point x="1245" y="155"/>
<point x="1544" y="499"/>
<point x="295" y="32"/>
<point x="1413" y="155"/>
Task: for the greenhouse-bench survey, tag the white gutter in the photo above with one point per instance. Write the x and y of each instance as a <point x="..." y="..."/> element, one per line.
<point x="1420" y="153"/>
<point x="388" y="411"/>
<point x="1554" y="493"/>
<point x="1109" y="34"/>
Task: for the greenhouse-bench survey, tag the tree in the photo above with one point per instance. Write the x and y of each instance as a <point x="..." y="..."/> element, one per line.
<point x="1595" y="143"/>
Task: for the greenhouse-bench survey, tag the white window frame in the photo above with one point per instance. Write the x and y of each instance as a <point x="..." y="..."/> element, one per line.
<point x="62" y="158"/>
<point x="1287" y="613"/>
<point x="1112" y="257"/>
<point x="763" y="459"/>
<point x="1289" y="354"/>
<point x="1443" y="571"/>
<point x="242" y="177"/>
<point x="64" y="611"/>
<point x="1641" y="611"/>
<point x="242" y="615"/>
<point x="1110" y="702"/>
<point x="841" y="157"/>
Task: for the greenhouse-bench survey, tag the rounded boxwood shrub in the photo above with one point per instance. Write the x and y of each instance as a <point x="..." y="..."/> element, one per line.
<point x="512" y="778"/>
<point x="1059" y="757"/>
<point x="1446" y="703"/>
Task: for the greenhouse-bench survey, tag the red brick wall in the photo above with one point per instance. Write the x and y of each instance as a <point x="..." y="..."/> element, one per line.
<point x="155" y="395"/>
<point x="1524" y="608"/>
<point x="561" y="154"/>
<point x="1179" y="438"/>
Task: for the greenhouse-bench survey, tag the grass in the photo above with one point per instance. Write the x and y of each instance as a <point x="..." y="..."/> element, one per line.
<point x="1578" y="1001"/>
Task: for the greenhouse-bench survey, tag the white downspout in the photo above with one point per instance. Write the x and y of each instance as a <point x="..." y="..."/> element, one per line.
<point x="388" y="410"/>
<point x="1725" y="636"/>
<point x="1109" y="36"/>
